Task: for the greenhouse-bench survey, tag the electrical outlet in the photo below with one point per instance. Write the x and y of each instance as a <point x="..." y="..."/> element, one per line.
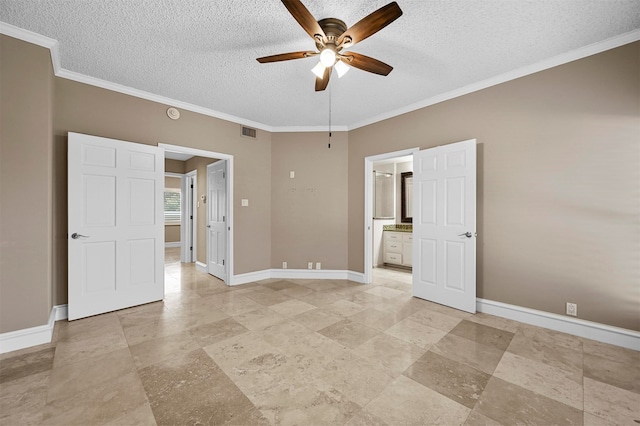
<point x="310" y="265"/>
<point x="284" y="265"/>
<point x="318" y="265"/>
<point x="572" y="309"/>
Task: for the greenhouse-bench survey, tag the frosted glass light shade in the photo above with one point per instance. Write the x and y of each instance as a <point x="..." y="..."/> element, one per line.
<point x="318" y="70"/>
<point x="328" y="57"/>
<point x="341" y="68"/>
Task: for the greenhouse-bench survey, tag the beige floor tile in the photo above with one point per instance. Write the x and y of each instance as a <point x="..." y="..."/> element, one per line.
<point x="208" y="334"/>
<point x="239" y="305"/>
<point x="18" y="366"/>
<point x="392" y="353"/>
<point x="284" y="333"/>
<point x="494" y="321"/>
<point x="380" y="320"/>
<point x="552" y="337"/>
<point x="511" y="404"/>
<point x="152" y="328"/>
<point x="141" y="416"/>
<point x="308" y="404"/>
<point x="618" y="374"/>
<point x="292" y="307"/>
<point x="320" y="299"/>
<point x="69" y="379"/>
<point x="87" y="328"/>
<point x="616" y="406"/>
<point x="614" y="353"/>
<point x="405" y="402"/>
<point x="269" y="298"/>
<point x="541" y="378"/>
<point x="415" y="333"/>
<point x="435" y="319"/>
<point x="477" y="355"/>
<point x="358" y="378"/>
<point x="191" y="388"/>
<point x="484" y="334"/>
<point x="22" y="400"/>
<point x="79" y="349"/>
<point x="100" y="404"/>
<point x="450" y="378"/>
<point x="238" y="349"/>
<point x="259" y="319"/>
<point x="157" y="350"/>
<point x="365" y="418"/>
<point x="280" y="285"/>
<point x="345" y="308"/>
<point x="548" y="353"/>
<point x="349" y="333"/>
<point x="316" y="319"/>
<point x="477" y="419"/>
<point x="385" y="292"/>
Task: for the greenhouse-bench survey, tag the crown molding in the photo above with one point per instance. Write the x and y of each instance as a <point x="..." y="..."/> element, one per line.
<point x="555" y="61"/>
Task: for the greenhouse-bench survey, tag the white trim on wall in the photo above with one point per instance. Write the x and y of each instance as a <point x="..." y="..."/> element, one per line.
<point x="202" y="267"/>
<point x="172" y="244"/>
<point x="564" y="58"/>
<point x="33" y="336"/>
<point x="578" y="327"/>
<point x="21" y="339"/>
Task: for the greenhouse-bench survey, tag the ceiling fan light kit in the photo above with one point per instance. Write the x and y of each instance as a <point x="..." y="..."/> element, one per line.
<point x="331" y="36"/>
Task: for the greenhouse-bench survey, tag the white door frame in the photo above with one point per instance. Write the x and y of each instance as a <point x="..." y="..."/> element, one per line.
<point x="189" y="233"/>
<point x="229" y="159"/>
<point x="368" y="206"/>
<point x="182" y="213"/>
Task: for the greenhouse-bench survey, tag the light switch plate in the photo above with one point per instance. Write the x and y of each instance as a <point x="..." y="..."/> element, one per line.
<point x="245" y="202"/>
<point x="292" y="174"/>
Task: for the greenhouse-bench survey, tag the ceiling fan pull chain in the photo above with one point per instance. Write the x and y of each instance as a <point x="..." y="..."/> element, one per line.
<point x="329" y="117"/>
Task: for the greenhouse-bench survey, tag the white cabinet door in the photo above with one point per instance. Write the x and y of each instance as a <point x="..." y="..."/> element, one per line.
<point x="444" y="225"/>
<point x="115" y="224"/>
<point x="216" y="219"/>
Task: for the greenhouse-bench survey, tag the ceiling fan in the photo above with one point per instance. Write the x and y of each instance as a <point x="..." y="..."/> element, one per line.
<point x="332" y="36"/>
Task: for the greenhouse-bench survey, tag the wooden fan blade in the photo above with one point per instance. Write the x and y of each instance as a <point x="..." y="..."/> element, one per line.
<point x="286" y="56"/>
<point x="372" y="23"/>
<point x="305" y="18"/>
<point x="366" y="63"/>
<point x="322" y="83"/>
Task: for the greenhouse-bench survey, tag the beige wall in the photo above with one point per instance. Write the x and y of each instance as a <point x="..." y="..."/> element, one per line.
<point x="200" y="165"/>
<point x="309" y="212"/>
<point x="558" y="184"/>
<point x="172" y="232"/>
<point x="174" y="166"/>
<point x="26" y="160"/>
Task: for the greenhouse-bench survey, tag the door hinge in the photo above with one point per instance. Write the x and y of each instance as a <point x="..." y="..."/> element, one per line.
<point x="224" y="175"/>
<point x="224" y="218"/>
<point x="191" y="248"/>
<point x="191" y="186"/>
<point x="222" y="262"/>
<point x="191" y="217"/>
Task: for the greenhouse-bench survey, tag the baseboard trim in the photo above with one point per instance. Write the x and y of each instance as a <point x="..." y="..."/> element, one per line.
<point x="33" y="336"/>
<point x="297" y="274"/>
<point x="172" y="244"/>
<point x="591" y="330"/>
<point x="202" y="267"/>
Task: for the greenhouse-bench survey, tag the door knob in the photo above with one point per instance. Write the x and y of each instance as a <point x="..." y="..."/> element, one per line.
<point x="466" y="234"/>
<point x="75" y="236"/>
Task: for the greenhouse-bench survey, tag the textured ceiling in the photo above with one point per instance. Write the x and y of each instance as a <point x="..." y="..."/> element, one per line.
<point x="203" y="52"/>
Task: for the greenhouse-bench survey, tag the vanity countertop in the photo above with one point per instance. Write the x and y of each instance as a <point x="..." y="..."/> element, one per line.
<point x="398" y="227"/>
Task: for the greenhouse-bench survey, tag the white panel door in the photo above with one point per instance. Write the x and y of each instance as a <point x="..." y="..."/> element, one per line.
<point x="216" y="219"/>
<point x="444" y="225"/>
<point x="115" y="224"/>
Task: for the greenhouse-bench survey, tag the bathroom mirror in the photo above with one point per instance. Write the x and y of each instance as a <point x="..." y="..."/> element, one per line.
<point x="406" y="194"/>
<point x="383" y="194"/>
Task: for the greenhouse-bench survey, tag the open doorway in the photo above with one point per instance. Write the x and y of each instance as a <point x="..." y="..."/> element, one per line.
<point x="385" y="216"/>
<point x="193" y="222"/>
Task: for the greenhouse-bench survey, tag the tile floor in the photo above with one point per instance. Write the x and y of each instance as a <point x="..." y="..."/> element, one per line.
<point x="312" y="353"/>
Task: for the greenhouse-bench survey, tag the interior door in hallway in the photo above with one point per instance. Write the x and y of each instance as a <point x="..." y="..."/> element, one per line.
<point x="115" y="224"/>
<point x="216" y="219"/>
<point x="444" y="225"/>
